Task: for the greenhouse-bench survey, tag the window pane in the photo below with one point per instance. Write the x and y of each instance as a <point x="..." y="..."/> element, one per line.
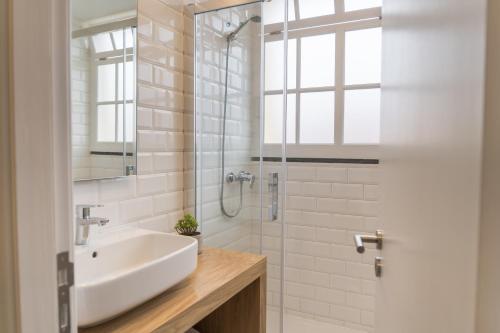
<point x="274" y="11"/>
<point x="106" y="83"/>
<point x="273" y="120"/>
<point x="118" y="38"/>
<point x="363" y="56"/>
<point x="106" y="123"/>
<point x="102" y="42"/>
<point x="317" y="117"/>
<point x="362" y="116"/>
<point x="308" y="8"/>
<point x="361" y="4"/>
<point x="274" y="64"/>
<point x="129" y="81"/>
<point x="318" y="61"/>
<point x="130" y="119"/>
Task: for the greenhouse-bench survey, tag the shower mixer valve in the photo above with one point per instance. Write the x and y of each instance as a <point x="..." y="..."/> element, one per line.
<point x="243" y="176"/>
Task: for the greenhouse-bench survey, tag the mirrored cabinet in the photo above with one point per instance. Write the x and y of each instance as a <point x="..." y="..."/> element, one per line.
<point x="103" y="88"/>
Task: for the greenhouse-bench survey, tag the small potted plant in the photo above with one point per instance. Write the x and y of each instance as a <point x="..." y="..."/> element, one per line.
<point x="188" y="226"/>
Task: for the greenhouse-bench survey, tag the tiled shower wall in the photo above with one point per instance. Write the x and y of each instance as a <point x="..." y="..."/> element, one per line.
<point x="325" y="278"/>
<point x="153" y="199"/>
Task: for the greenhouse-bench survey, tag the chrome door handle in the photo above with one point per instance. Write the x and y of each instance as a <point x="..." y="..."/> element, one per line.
<point x="360" y="240"/>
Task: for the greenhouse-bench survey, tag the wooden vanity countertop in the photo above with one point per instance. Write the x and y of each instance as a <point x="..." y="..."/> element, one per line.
<point x="220" y="275"/>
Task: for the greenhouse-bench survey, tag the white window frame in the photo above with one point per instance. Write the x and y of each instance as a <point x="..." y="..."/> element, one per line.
<point x="338" y="24"/>
<point x="103" y="58"/>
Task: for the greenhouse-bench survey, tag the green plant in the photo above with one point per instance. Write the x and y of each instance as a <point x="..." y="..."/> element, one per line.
<point x="187" y="225"/>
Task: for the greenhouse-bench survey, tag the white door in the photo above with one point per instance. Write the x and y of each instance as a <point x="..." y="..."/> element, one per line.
<point x="431" y="158"/>
<point x="39" y="93"/>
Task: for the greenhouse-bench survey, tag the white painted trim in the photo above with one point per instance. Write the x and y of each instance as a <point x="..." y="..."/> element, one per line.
<point x="327" y="88"/>
<point x="41" y="139"/>
<point x="327" y="29"/>
<point x="340" y="83"/>
<point x="353" y="17"/>
<point x="298" y="91"/>
<point x="105" y="27"/>
<point x="204" y="6"/>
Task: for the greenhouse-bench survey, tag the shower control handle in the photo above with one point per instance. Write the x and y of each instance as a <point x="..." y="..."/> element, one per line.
<point x="243" y="176"/>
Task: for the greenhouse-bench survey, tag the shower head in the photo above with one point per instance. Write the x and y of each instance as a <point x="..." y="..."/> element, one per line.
<point x="254" y="19"/>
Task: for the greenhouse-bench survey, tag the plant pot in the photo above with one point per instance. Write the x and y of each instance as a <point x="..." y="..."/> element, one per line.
<point x="199" y="238"/>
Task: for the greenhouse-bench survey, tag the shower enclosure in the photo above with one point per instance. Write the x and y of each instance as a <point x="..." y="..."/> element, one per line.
<point x="247" y="73"/>
<point x="235" y="191"/>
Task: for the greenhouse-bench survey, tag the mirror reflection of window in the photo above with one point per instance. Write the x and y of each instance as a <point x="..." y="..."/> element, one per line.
<point x="108" y="72"/>
<point x="103" y="78"/>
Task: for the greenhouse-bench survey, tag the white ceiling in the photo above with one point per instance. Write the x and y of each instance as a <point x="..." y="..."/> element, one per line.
<point x="85" y="10"/>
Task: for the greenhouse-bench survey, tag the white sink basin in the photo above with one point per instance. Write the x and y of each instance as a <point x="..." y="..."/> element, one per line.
<point x="118" y="274"/>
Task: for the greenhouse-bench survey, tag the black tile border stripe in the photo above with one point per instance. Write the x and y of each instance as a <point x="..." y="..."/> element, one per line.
<point x="109" y="153"/>
<point x="320" y="160"/>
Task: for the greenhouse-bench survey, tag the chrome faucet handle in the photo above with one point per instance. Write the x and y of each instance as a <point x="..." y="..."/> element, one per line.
<point x="93" y="220"/>
<point x="84" y="221"/>
<point x="82" y="206"/>
<point x="84" y="210"/>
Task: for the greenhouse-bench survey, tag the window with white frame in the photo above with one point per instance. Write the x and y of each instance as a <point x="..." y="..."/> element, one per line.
<point x="111" y="90"/>
<point x="333" y="78"/>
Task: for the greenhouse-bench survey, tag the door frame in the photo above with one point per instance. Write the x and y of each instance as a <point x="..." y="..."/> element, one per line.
<point x="41" y="191"/>
<point x="8" y="292"/>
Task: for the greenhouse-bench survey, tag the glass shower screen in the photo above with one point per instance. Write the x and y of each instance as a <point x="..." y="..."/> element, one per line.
<point x="239" y="188"/>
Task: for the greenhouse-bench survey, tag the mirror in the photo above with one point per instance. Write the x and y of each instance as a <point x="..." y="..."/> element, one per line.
<point x="103" y="89"/>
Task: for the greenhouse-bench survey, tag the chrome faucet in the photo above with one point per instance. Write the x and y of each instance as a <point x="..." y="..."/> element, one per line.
<point x="243" y="176"/>
<point x="84" y="221"/>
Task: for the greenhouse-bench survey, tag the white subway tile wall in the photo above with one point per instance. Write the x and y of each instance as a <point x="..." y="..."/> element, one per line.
<point x="80" y="102"/>
<point x="325" y="278"/>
